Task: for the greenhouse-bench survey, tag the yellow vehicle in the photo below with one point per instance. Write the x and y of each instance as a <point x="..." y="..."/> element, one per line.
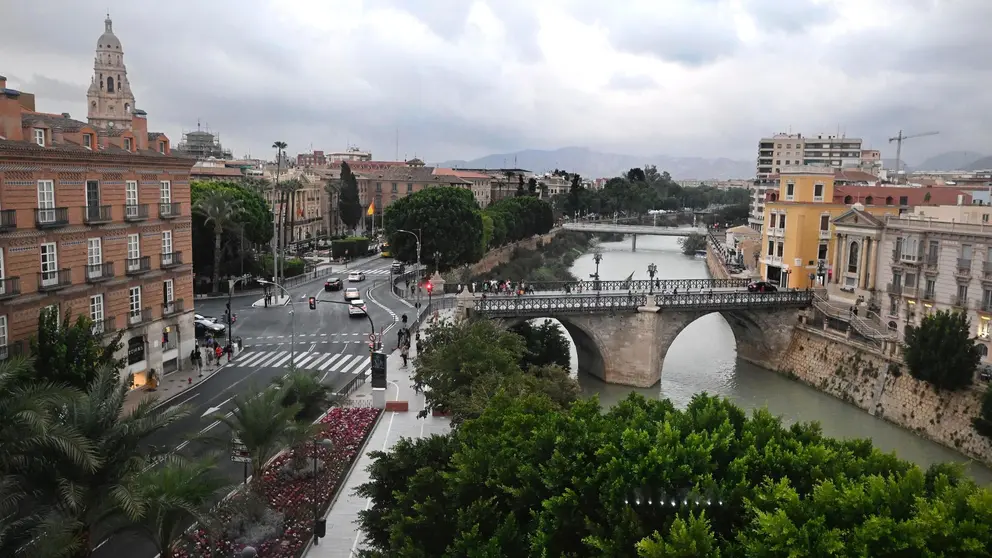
<point x="385" y="253"/>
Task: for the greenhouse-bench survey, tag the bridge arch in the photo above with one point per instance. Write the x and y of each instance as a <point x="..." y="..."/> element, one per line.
<point x="754" y="333"/>
<point x="590" y="350"/>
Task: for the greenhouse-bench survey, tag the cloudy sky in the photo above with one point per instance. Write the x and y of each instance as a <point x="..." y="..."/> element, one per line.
<point x="465" y="78"/>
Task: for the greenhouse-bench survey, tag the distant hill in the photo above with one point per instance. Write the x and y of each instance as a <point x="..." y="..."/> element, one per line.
<point x="950" y="161"/>
<point x="985" y="163"/>
<point x="595" y="164"/>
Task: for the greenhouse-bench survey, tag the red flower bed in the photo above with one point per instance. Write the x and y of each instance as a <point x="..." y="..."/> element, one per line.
<point x="347" y="429"/>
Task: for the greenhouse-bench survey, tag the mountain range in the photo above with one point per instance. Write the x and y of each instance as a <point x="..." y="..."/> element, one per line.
<point x="596" y="164"/>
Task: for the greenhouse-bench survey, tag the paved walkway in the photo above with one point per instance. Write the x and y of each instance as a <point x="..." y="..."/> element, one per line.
<point x="174" y="383"/>
<point x="343" y="538"/>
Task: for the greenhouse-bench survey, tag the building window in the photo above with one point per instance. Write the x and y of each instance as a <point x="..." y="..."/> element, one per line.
<point x="395" y="188"/>
<point x="96" y="312"/>
<point x="127" y="144"/>
<point x="46" y="201"/>
<point x="169" y="291"/>
<point x="852" y="259"/>
<point x="779" y="249"/>
<point x="167" y="243"/>
<point x="134" y="305"/>
<point x="962" y="299"/>
<point x="824" y="222"/>
<point x="49" y="264"/>
<point x="161" y="147"/>
<point x="781" y="221"/>
<point x="3" y="337"/>
<point x="903" y="200"/>
<point x="818" y="192"/>
<point x="409" y="187"/>
<point x="790" y="190"/>
<point x="165" y="191"/>
<point x="378" y="186"/>
<point x="771" y="220"/>
<point x="39" y="136"/>
<point x="771" y="248"/>
<point x="931" y="289"/>
<point x="821" y="252"/>
<point x="131" y="198"/>
<point x="910" y="280"/>
<point x="94" y="256"/>
<point x="88" y="141"/>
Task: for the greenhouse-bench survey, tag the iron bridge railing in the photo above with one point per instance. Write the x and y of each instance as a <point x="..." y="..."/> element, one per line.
<point x="551" y="305"/>
<point x="735" y="300"/>
<point x="637" y="285"/>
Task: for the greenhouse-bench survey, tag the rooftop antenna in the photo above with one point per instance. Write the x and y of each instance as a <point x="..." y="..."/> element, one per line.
<point x="197" y="124"/>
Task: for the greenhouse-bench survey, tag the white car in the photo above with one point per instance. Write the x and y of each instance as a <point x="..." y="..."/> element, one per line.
<point x="357" y="307"/>
<point x="351" y="293"/>
<point x="356" y="277"/>
<point x="201" y="317"/>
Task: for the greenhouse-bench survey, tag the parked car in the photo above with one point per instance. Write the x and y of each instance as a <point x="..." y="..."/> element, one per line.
<point x="351" y="293"/>
<point x="333" y="284"/>
<point x="204" y="327"/>
<point x="356" y="308"/>
<point x="397" y="267"/>
<point x="356" y="277"/>
<point x="761" y="287"/>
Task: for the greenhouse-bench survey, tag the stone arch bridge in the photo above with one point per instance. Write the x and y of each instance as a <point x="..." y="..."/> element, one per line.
<point x="623" y="338"/>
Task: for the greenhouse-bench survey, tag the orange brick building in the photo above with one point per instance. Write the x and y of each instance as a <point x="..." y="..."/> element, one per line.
<point x="95" y="219"/>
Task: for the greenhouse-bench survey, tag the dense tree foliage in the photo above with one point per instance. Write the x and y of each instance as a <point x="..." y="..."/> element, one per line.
<point x="349" y="204"/>
<point x="66" y="352"/>
<point x="546" y="344"/>
<point x="529" y="478"/>
<point x="518" y="218"/>
<point x="462" y="366"/>
<point x="253" y="218"/>
<point x="692" y="243"/>
<point x="941" y="350"/>
<point x="446" y="218"/>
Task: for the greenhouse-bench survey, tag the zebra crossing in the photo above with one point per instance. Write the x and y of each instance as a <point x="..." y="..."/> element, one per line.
<point x="380" y="271"/>
<point x="339" y="363"/>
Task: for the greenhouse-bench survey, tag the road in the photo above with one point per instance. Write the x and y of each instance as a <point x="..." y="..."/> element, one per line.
<point x="328" y="340"/>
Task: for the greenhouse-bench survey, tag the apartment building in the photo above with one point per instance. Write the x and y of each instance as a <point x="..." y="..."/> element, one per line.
<point x="481" y="183"/>
<point x="350" y="154"/>
<point x="303" y="208"/>
<point x="390" y="183"/>
<point x="95" y="220"/>
<point x="314" y="159"/>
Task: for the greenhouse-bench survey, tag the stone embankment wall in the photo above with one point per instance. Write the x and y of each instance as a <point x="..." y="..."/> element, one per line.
<point x="881" y="386"/>
<point x="714" y="264"/>
<point x="503" y="254"/>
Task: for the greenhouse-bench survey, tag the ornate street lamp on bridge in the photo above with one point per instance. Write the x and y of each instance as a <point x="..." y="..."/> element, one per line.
<point x="652" y="270"/>
<point x="597" y="257"/>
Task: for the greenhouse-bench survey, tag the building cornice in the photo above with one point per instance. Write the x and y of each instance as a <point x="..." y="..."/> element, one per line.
<point x="59" y="157"/>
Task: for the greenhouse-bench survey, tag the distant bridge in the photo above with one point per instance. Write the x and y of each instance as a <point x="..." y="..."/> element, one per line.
<point x="633" y="229"/>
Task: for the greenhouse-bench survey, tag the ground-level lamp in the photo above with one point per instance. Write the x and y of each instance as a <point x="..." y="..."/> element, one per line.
<point x="249" y="552"/>
<point x="652" y="270"/>
<point x="319" y="525"/>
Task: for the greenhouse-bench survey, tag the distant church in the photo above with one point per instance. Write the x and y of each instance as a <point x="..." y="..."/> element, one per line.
<point x="110" y="103"/>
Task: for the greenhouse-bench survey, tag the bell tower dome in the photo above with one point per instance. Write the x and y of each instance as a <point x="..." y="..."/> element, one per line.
<point x="110" y="103"/>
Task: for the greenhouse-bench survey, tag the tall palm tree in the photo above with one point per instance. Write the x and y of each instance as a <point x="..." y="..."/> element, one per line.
<point x="279" y="146"/>
<point x="333" y="188"/>
<point x="288" y="189"/>
<point x="175" y="495"/>
<point x="305" y="390"/>
<point x="220" y="210"/>
<point x="77" y="508"/>
<point x="29" y="429"/>
<point x="264" y="426"/>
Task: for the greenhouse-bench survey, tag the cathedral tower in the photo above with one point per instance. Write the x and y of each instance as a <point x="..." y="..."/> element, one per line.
<point x="109" y="99"/>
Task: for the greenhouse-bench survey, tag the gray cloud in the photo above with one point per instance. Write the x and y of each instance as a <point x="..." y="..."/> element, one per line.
<point x="791" y="17"/>
<point x="632" y="82"/>
<point x="50" y="88"/>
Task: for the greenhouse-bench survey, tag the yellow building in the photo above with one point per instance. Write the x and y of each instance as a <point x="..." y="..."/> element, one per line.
<point x="797" y="243"/>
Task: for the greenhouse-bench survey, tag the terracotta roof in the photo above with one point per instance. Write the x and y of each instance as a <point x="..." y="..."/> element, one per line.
<point x="470" y="175"/>
<point x="29" y="119"/>
<point x="68" y="146"/>
<point x="878" y="195"/>
<point x="854" y="175"/>
<point x="154" y="135"/>
<point x="400" y="174"/>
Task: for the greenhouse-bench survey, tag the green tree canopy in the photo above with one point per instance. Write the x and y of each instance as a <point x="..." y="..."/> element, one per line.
<point x="546" y="344"/>
<point x="349" y="204"/>
<point x="941" y="351"/>
<point x="254" y="219"/>
<point x="67" y="352"/>
<point x="518" y="218"/>
<point x="446" y="218"/>
<point x="529" y="478"/>
<point x="692" y="242"/>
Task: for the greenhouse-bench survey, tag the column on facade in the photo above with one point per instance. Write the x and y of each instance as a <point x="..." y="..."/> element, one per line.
<point x="873" y="280"/>
<point x="840" y="255"/>
<point x="862" y="261"/>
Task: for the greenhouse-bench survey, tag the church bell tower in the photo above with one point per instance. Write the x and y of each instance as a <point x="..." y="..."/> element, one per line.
<point x="110" y="103"/>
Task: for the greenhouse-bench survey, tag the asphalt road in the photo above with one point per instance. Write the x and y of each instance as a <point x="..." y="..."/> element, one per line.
<point x="328" y="340"/>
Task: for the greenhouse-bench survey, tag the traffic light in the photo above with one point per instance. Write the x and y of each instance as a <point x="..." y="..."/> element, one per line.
<point x="430" y="287"/>
<point x="313" y="303"/>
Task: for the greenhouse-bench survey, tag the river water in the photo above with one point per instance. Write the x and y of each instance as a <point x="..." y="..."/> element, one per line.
<point x="704" y="358"/>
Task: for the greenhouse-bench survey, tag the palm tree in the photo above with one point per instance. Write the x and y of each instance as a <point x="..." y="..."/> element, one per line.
<point x="304" y="389"/>
<point x="175" y="495"/>
<point x="279" y="146"/>
<point x="28" y="430"/>
<point x="222" y="211"/>
<point x="77" y="507"/>
<point x="333" y="188"/>
<point x="264" y="426"/>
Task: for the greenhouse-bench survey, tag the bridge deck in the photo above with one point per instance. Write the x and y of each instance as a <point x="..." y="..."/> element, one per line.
<point x="634" y="229"/>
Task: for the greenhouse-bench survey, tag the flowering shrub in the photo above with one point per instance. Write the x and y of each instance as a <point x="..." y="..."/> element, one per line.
<point x="291" y="495"/>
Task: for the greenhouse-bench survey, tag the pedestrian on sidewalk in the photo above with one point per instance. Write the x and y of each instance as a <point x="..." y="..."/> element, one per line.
<point x="229" y="350"/>
<point x="405" y="351"/>
<point x="210" y="357"/>
<point x="218" y="352"/>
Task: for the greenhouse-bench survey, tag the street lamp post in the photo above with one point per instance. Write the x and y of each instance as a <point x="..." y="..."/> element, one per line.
<point x="231" y="283"/>
<point x="597" y="257"/>
<point x="316" y="509"/>
<point x="376" y="345"/>
<point x="437" y="262"/>
<point x="417" y="237"/>
<point x="292" y="306"/>
<point x="652" y="269"/>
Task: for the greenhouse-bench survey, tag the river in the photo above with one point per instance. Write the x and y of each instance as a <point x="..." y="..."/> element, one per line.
<point x="704" y="358"/>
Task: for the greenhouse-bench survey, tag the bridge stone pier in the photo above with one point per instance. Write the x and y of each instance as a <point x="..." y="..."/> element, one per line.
<point x="623" y="339"/>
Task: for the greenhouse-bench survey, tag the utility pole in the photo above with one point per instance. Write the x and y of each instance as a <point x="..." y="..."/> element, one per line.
<point x="901" y="138"/>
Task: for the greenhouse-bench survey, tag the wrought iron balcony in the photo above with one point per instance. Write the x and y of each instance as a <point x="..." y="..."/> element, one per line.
<point x="97" y="214"/>
<point x="911" y="292"/>
<point x="964" y="266"/>
<point x="137" y="266"/>
<point x="13" y="349"/>
<point x="169" y="210"/>
<point x="99" y="272"/>
<point x="929" y="296"/>
<point x="894" y="288"/>
<point x="172" y="259"/>
<point x="135" y="212"/>
<point x="137" y="317"/>
<point x="172" y="308"/>
<point x="105" y="326"/>
<point x="54" y="280"/>
<point x="8" y="220"/>
<point x="931" y="260"/>
<point x="51" y="217"/>
<point x="9" y="287"/>
<point x="960" y="302"/>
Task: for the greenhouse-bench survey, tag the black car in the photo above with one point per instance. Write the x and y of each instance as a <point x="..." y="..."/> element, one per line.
<point x="333" y="284"/>
<point x="761" y="287"/>
<point x="397" y="267"/>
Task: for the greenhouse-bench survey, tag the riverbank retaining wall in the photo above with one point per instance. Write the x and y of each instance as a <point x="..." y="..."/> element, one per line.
<point x="881" y="385"/>
<point x="714" y="264"/>
<point x="503" y="254"/>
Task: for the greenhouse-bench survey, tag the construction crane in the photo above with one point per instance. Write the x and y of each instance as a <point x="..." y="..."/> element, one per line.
<point x="901" y="138"/>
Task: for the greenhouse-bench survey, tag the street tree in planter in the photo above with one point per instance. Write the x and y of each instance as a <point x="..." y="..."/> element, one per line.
<point x="68" y="352"/>
<point x="941" y="351"/>
<point x="449" y="223"/>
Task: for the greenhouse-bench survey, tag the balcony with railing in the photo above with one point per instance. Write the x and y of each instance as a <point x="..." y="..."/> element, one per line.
<point x="9" y="287"/>
<point x="96" y="273"/>
<point x="964" y="267"/>
<point x="894" y="288"/>
<point x="986" y="306"/>
<point x="51" y="217"/>
<point x="960" y="302"/>
<point x="8" y="220"/>
<point x="137" y="317"/>
<point x="137" y="266"/>
<point x="987" y="268"/>
<point x="172" y="259"/>
<point x="135" y="212"/>
<point x="169" y="210"/>
<point x="97" y="214"/>
<point x="910" y="292"/>
<point x="172" y="308"/>
<point x="105" y="326"/>
<point x="928" y="295"/>
<point x="54" y="280"/>
<point x="931" y="261"/>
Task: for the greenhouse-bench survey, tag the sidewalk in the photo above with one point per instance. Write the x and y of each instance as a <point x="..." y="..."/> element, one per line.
<point x="174" y="383"/>
<point x="343" y="538"/>
<point x="281" y="300"/>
